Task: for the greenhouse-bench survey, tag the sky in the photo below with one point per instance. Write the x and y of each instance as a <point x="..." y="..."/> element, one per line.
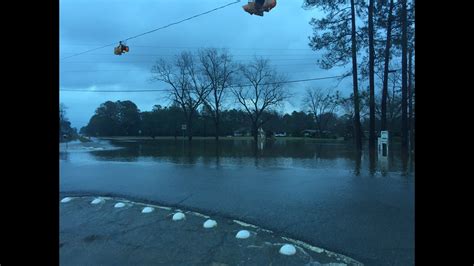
<point x="280" y="36"/>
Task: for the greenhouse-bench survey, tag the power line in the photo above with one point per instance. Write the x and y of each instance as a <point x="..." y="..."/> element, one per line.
<point x="238" y="85"/>
<point x="154" y="61"/>
<point x="141" y="70"/>
<point x="153" y="90"/>
<point x="107" y="45"/>
<point x="174" y="23"/>
<point x="281" y="65"/>
<point x="120" y="63"/>
<point x="138" y="69"/>
<point x="160" y="28"/>
<point x="200" y="47"/>
<point x="174" y="54"/>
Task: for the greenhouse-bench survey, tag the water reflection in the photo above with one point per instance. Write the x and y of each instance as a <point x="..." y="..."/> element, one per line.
<point x="217" y="149"/>
<point x="358" y="161"/>
<point x="407" y="163"/>
<point x="64" y="156"/>
<point x="383" y="163"/>
<point x="271" y="153"/>
<point x="372" y="162"/>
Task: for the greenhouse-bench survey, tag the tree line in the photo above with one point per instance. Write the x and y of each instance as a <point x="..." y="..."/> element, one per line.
<point x="327" y="115"/>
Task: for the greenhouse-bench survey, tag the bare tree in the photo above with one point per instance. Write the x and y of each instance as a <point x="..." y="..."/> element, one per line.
<point x="264" y="91"/>
<point x="393" y="103"/>
<point x="320" y="102"/>
<point x="217" y="67"/>
<point x="188" y="85"/>
<point x="347" y="105"/>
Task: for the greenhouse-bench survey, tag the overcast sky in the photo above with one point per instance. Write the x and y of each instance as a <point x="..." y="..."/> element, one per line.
<point x="281" y="36"/>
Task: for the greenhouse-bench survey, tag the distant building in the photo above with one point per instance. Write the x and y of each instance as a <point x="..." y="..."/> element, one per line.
<point x="313" y="133"/>
<point x="310" y="132"/>
<point x="242" y="132"/>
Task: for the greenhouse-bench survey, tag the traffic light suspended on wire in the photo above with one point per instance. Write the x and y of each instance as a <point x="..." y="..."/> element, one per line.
<point x="257" y="7"/>
<point x="121" y="48"/>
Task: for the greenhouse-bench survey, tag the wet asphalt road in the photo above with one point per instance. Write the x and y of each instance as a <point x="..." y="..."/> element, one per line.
<point x="370" y="219"/>
<point x="100" y="234"/>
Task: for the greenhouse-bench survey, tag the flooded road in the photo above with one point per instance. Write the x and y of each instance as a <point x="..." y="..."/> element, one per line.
<point x="321" y="193"/>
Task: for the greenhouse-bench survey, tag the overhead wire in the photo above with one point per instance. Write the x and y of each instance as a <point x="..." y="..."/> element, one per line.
<point x="151" y="31"/>
<point x="232" y="86"/>
<point x="200" y="47"/>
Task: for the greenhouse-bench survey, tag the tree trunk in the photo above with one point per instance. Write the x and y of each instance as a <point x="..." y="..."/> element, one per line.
<point x="189" y="127"/>
<point x="358" y="162"/>
<point x="318" y="124"/>
<point x="371" y="77"/>
<point x="372" y="162"/>
<point x="217" y="125"/>
<point x="255" y="131"/>
<point x="410" y="101"/>
<point x="357" y="130"/>
<point x="404" y="126"/>
<point x="385" y="72"/>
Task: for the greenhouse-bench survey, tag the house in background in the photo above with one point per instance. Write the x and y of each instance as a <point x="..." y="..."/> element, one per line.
<point x="242" y="132"/>
<point x="312" y="133"/>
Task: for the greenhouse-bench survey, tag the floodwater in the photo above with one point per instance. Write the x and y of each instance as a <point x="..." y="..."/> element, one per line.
<point x="319" y="192"/>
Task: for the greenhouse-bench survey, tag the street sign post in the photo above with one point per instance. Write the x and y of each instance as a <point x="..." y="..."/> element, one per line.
<point x="383" y="144"/>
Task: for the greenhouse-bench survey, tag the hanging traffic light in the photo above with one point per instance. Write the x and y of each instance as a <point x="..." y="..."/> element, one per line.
<point x="121" y="48"/>
<point x="257" y="7"/>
